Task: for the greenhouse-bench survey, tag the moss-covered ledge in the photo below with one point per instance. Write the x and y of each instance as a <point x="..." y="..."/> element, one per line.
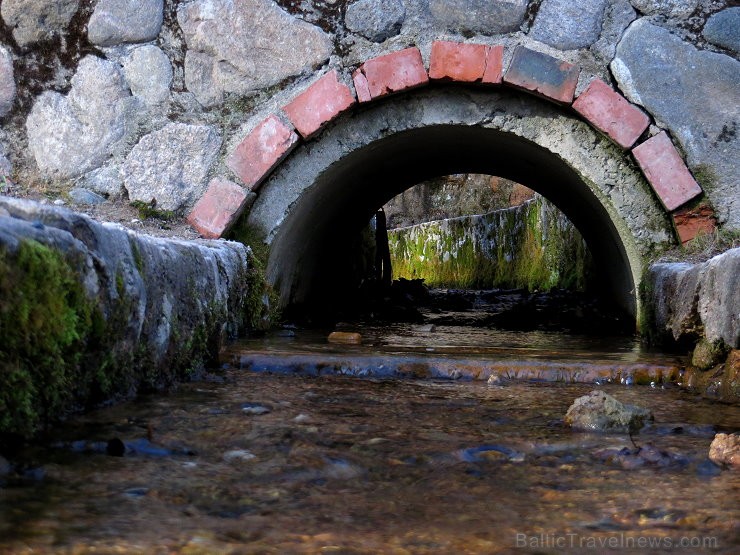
<point x="532" y="246"/>
<point x="91" y="312"/>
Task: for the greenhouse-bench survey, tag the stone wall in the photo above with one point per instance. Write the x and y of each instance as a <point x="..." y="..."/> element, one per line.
<point x="694" y="303"/>
<point x="146" y="100"/>
<point x="90" y="312"/>
<point x="532" y="246"/>
<point x="452" y="196"/>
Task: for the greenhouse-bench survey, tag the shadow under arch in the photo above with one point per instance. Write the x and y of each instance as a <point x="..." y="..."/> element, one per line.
<point x="315" y="205"/>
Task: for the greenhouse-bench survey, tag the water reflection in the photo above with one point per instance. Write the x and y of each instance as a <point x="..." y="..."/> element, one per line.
<point x="347" y="465"/>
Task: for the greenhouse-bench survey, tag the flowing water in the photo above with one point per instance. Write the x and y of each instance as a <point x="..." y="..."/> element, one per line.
<point x="398" y="445"/>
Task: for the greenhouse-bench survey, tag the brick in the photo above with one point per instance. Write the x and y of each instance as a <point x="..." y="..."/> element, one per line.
<point x="262" y="150"/>
<point x="665" y="171"/>
<point x="467" y="63"/>
<point x="691" y="222"/>
<point x="543" y="75"/>
<point x="456" y="61"/>
<point x="363" y="91"/>
<point x="611" y="113"/>
<point x="323" y="101"/>
<point x="494" y="65"/>
<point x="391" y="73"/>
<point x="219" y="208"/>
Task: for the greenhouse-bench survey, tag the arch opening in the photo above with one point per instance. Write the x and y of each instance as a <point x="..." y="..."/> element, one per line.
<point x="317" y="243"/>
<point x="313" y="208"/>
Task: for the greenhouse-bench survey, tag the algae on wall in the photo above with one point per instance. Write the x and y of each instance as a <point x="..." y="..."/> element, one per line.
<point x="91" y="312"/>
<point x="532" y="246"/>
<point x="45" y="320"/>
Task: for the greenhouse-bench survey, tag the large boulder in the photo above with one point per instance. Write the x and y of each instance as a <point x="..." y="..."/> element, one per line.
<point x="565" y="24"/>
<point x="35" y="20"/>
<point x="125" y="21"/>
<point x="71" y="135"/>
<point x="600" y="412"/>
<point x="239" y="46"/>
<point x="149" y="74"/>
<point x="376" y="20"/>
<point x="170" y="166"/>
<point x="696" y="95"/>
<point x="7" y="81"/>
<point x="479" y="16"/>
<point x="722" y="29"/>
<point x="691" y="301"/>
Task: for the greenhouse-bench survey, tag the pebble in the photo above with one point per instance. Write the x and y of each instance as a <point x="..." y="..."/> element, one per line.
<point x="647" y="455"/>
<point x="487" y="453"/>
<point x="59" y="202"/>
<point x="345" y="337"/>
<point x="254" y="409"/>
<point x="135" y="493"/>
<point x="239" y="455"/>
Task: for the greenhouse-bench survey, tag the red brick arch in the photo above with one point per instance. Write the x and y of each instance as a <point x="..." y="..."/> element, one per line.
<point x="534" y="72"/>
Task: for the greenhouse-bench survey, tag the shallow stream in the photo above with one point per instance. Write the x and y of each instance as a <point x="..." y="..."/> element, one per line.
<point x="273" y="455"/>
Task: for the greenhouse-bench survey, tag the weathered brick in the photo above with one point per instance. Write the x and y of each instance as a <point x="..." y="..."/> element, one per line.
<point x="363" y="91"/>
<point x="218" y="209"/>
<point x="542" y="75"/>
<point x="323" y="101"/>
<point x="468" y="63"/>
<point x="494" y="65"/>
<point x="391" y="73"/>
<point x="665" y="171"/>
<point x="691" y="222"/>
<point x="611" y="113"/>
<point x="262" y="150"/>
<point x="456" y="61"/>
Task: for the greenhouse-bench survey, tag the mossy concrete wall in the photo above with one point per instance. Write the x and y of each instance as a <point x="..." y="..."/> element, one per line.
<point x="532" y="246"/>
<point x="90" y="312"/>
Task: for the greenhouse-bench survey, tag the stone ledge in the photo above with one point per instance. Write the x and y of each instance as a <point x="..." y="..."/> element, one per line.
<point x="691" y="301"/>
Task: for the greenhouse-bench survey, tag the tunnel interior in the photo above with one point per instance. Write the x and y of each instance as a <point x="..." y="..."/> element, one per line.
<point x="311" y="257"/>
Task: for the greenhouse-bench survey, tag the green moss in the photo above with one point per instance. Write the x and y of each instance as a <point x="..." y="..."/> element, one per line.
<point x="138" y="258"/>
<point x="148" y="210"/>
<point x="261" y="303"/>
<point x="46" y="319"/>
<point x="705" y="176"/>
<point x="526" y="248"/>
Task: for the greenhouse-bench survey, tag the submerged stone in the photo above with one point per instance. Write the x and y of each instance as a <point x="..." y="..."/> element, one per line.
<point x="725" y="450"/>
<point x="600" y="412"/>
<point x="346" y="337"/>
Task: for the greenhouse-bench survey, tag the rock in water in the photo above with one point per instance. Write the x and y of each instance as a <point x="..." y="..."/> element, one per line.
<point x="725" y="450"/>
<point x="351" y="338"/>
<point x="599" y="412"/>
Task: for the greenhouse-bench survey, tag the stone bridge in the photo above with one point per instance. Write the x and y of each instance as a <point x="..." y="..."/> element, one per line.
<point x="303" y="118"/>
